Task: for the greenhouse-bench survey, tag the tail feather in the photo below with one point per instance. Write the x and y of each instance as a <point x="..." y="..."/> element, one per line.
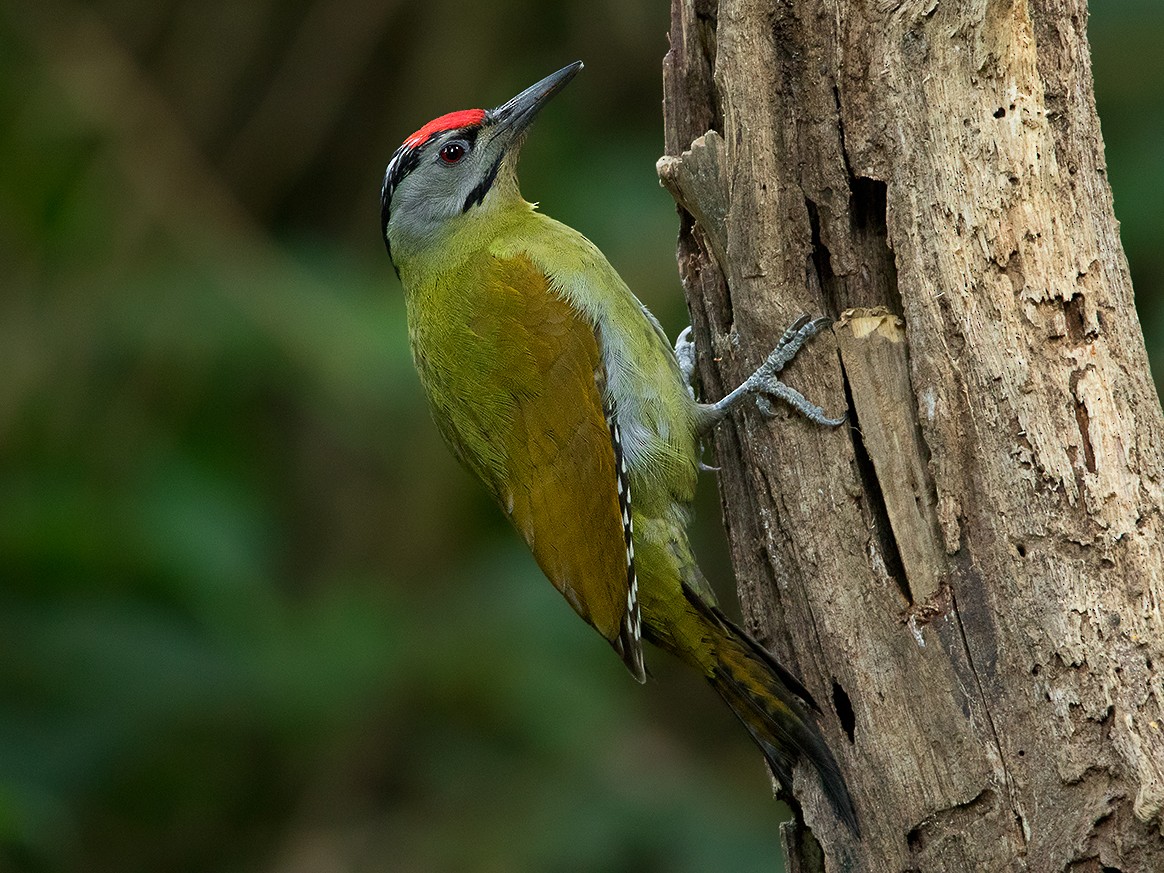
<point x="774" y="707"/>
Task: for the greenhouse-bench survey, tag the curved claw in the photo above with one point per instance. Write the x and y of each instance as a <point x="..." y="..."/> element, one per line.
<point x="820" y="323"/>
<point x="773" y="387"/>
<point x="801" y="320"/>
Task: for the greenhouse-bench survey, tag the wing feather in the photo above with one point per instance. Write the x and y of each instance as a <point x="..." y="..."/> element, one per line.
<point x="517" y="384"/>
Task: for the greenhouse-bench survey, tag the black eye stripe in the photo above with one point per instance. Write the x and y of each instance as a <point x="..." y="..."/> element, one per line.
<point x="477" y="195"/>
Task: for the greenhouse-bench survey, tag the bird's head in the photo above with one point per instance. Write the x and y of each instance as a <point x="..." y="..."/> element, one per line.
<point x="458" y="166"/>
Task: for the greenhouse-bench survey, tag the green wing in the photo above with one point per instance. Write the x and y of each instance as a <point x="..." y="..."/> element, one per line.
<point x="515" y="379"/>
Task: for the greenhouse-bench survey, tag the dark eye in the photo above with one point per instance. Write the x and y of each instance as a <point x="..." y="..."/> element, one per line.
<point x="452" y="152"/>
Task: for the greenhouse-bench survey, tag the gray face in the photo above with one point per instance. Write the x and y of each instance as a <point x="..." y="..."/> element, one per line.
<point x="438" y="181"/>
<point x="446" y="171"/>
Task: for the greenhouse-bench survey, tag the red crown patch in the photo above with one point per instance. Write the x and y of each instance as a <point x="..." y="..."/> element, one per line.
<point x="451" y="121"/>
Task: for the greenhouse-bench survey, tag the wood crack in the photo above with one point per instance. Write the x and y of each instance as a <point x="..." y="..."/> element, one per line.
<point x="875" y="500"/>
<point x="1021" y="826"/>
<point x="1083" y="420"/>
<point x="890" y="452"/>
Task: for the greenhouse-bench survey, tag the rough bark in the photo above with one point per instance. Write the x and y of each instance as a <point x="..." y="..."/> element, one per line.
<point x="969" y="577"/>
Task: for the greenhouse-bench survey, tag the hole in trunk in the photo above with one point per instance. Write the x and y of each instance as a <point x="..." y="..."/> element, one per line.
<point x="844" y="708"/>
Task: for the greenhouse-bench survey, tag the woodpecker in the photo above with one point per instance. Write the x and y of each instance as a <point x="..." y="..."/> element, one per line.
<point x="556" y="387"/>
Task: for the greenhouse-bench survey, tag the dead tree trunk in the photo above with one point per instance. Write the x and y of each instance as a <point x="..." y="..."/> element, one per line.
<point x="969" y="578"/>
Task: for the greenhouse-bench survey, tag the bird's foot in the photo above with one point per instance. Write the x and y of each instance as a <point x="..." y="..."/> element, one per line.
<point x="764" y="383"/>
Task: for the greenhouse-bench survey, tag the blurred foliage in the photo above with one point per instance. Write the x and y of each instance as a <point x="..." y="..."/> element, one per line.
<point x="253" y="617"/>
<point x="1129" y="92"/>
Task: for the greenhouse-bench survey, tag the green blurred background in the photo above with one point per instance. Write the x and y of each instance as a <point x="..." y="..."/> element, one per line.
<point x="252" y="615"/>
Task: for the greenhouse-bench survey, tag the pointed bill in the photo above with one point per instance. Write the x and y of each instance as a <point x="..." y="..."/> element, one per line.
<point x="517" y="114"/>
